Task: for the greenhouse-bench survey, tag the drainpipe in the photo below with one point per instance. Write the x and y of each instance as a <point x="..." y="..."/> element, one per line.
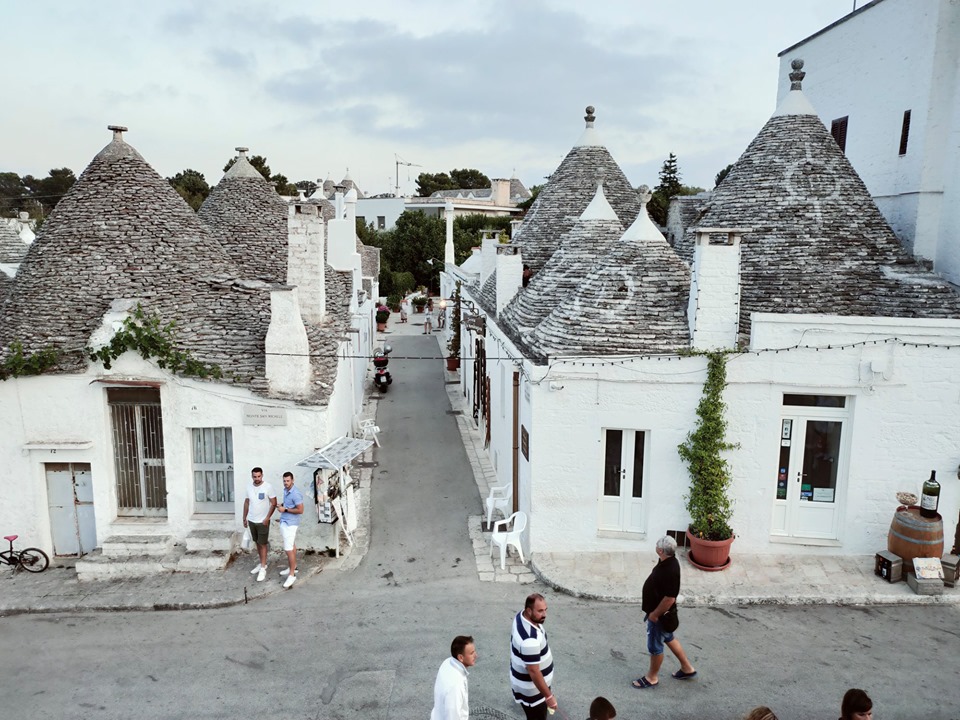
<point x="516" y="438"/>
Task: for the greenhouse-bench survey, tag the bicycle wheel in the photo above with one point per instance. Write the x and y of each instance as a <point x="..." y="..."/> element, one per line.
<point x="34" y="560"/>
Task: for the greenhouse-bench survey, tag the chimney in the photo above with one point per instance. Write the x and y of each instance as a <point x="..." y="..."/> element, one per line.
<point x="287" y="349"/>
<point x="509" y="274"/>
<point x="305" y="263"/>
<point x="500" y="192"/>
<point x="448" y="254"/>
<point x="488" y="254"/>
<point x="714" y="309"/>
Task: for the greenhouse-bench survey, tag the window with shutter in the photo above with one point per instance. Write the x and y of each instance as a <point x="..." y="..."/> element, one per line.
<point x="905" y="132"/>
<point x="838" y="128"/>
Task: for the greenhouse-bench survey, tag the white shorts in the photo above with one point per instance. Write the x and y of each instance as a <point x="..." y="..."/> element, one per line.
<point x="289" y="535"/>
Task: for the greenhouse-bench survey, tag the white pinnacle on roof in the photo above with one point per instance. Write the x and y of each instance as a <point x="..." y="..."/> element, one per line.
<point x="351" y="196"/>
<point x="795" y="102"/>
<point x="643" y="227"/>
<point x="599" y="208"/>
<point x="589" y="137"/>
<point x="242" y="167"/>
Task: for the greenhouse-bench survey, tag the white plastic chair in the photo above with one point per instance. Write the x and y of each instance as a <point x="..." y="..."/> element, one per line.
<point x="500" y="498"/>
<point x="502" y="538"/>
<point x="369" y="429"/>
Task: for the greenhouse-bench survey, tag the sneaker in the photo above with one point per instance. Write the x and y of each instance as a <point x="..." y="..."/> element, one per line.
<point x="262" y="575"/>
<point x="284" y="573"/>
<point x="288" y="583"/>
<point x="256" y="569"/>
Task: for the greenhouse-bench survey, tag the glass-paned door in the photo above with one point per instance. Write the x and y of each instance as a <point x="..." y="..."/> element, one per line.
<point x="213" y="469"/>
<point x="621" y="493"/>
<point x="810" y="474"/>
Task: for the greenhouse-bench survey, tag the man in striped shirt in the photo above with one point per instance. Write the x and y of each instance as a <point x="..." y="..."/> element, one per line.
<point x="531" y="663"/>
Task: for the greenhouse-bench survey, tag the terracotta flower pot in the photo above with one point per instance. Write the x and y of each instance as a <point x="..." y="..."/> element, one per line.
<point x="381" y="326"/>
<point x="453" y="363"/>
<point x="709" y="555"/>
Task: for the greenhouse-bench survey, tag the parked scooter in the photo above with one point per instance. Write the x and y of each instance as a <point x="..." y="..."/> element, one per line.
<point x="381" y="376"/>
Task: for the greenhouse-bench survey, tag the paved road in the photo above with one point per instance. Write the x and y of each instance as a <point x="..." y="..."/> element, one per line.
<point x="367" y="644"/>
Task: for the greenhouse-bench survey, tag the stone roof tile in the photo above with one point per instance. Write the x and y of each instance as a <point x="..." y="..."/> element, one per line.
<point x="12" y="248"/>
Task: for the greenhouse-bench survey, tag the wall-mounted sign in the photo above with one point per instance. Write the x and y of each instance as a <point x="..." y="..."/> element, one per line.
<point x="262" y="415"/>
<point x="525" y="442"/>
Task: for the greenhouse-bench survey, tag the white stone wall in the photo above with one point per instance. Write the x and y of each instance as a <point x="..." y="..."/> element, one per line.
<point x="59" y="410"/>
<point x="852" y="72"/>
<point x="904" y="420"/>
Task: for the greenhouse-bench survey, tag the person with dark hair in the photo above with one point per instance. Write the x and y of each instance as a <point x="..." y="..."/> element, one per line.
<point x="258" y="506"/>
<point x="531" y="662"/>
<point x="856" y="705"/>
<point x="660" y="593"/>
<point x="760" y="713"/>
<point x="290" y="509"/>
<point x="450" y="697"/>
<point x="602" y="709"/>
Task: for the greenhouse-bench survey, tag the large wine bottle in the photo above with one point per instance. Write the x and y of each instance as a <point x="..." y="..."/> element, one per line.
<point x="930" y="499"/>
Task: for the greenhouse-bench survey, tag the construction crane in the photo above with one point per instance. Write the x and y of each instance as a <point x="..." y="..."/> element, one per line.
<point x="400" y="161"/>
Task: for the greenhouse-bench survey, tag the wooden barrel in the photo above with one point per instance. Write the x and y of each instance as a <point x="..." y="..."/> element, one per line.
<point x="913" y="536"/>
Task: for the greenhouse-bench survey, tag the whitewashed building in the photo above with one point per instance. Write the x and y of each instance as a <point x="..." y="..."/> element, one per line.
<point x="886" y="80"/>
<point x="150" y="461"/>
<point x="842" y="371"/>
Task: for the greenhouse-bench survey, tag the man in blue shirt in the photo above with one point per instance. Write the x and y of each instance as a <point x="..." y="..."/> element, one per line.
<point x="291" y="509"/>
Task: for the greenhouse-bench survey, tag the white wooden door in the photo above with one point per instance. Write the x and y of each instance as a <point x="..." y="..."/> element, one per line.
<point x="621" y="487"/>
<point x="70" y="501"/>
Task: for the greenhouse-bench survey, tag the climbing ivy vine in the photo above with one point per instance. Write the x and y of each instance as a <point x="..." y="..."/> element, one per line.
<point x="17" y="364"/>
<point x="153" y="339"/>
<point x="708" y="500"/>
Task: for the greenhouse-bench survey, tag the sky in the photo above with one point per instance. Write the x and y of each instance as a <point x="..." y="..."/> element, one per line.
<point x="320" y="88"/>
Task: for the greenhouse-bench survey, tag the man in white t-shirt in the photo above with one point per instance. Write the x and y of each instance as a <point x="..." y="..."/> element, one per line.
<point x="258" y="506"/>
<point x="451" y="700"/>
<point x="531" y="662"/>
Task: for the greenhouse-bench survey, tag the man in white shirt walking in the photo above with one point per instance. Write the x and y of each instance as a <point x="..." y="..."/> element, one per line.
<point x="258" y="506"/>
<point x="450" y="699"/>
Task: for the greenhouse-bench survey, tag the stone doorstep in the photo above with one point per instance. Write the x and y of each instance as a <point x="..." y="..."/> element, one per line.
<point x="224" y="541"/>
<point x="121" y="546"/>
<point x="97" y="566"/>
<point x="203" y="561"/>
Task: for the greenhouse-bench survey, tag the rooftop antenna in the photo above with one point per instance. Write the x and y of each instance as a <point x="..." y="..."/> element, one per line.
<point x="398" y="162"/>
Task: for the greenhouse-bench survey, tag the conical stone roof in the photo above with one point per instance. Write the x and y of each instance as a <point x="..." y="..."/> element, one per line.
<point x="582" y="247"/>
<point x="12" y="248"/>
<point x="634" y="300"/>
<point x="250" y="219"/>
<point x="121" y="232"/>
<point x="817" y="242"/>
<point x="568" y="191"/>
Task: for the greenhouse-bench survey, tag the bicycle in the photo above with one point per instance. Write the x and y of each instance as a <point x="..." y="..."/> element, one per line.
<point x="32" y="559"/>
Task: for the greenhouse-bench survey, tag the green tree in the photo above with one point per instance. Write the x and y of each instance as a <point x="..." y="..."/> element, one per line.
<point x="192" y="186"/>
<point x="668" y="186"/>
<point x="309" y="187"/>
<point x="13" y="194"/>
<point x="470" y="179"/>
<point x="721" y="175"/>
<point x="429" y="183"/>
<point x="468" y="232"/>
<point x="48" y="191"/>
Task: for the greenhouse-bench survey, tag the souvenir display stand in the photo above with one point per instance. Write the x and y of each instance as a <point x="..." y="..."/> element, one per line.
<point x="333" y="489"/>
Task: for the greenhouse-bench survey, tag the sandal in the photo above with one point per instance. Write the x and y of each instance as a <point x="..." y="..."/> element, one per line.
<point x="641" y="683"/>
<point x="681" y="675"/>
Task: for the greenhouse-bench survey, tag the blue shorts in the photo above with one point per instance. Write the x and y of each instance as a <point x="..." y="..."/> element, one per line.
<point x="656" y="637"/>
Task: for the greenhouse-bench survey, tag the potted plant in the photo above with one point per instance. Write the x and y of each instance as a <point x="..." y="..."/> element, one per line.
<point x="383" y="314"/>
<point x="708" y="500"/>
<point x="419" y="302"/>
<point x="453" y="359"/>
<point x="393" y="302"/>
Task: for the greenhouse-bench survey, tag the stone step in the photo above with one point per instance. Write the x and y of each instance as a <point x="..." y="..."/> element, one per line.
<point x="203" y="561"/>
<point x="224" y="541"/>
<point x="121" y="546"/>
<point x="97" y="566"/>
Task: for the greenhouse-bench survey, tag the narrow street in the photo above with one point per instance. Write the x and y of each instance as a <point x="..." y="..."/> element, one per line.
<point x="367" y="643"/>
